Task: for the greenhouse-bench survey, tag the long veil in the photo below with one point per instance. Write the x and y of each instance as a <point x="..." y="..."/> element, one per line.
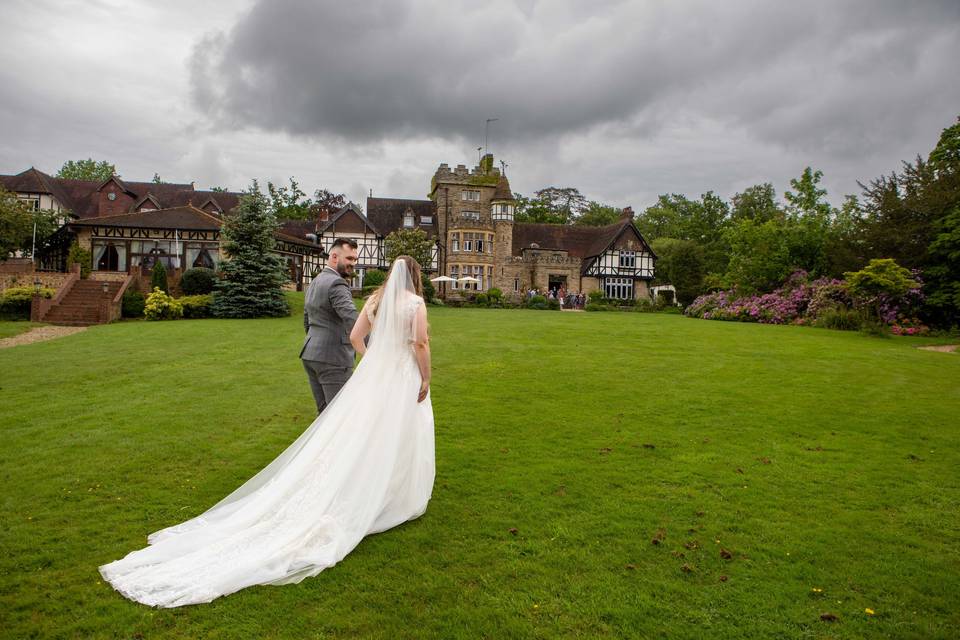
<point x="390" y="336"/>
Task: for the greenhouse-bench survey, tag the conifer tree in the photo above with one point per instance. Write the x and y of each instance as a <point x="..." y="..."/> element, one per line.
<point x="253" y="276"/>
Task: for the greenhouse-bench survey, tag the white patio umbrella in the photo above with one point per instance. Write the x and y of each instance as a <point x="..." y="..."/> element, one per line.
<point x="443" y="279"/>
<point x="469" y="279"/>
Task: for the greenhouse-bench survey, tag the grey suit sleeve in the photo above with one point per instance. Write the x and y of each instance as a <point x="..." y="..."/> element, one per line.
<point x="342" y="303"/>
<point x="306" y="320"/>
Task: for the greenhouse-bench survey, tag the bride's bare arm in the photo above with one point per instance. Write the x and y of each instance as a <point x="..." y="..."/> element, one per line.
<point x="421" y="348"/>
<point x="360" y="330"/>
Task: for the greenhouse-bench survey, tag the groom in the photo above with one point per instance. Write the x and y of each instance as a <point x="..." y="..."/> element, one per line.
<point x="328" y="317"/>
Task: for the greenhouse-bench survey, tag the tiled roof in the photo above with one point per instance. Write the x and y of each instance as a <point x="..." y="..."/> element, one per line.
<point x="503" y="192"/>
<point x="188" y="217"/>
<point x="386" y="214"/>
<point x="81" y="197"/>
<point x="580" y="242"/>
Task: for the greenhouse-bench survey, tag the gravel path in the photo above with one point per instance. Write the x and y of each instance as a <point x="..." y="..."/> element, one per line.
<point x="39" y="334"/>
<point x="946" y="348"/>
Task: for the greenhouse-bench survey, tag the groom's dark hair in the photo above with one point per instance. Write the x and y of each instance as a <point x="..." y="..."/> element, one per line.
<point x="344" y="242"/>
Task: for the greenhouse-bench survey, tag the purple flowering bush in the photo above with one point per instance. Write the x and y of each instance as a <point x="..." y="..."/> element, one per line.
<point x="804" y="301"/>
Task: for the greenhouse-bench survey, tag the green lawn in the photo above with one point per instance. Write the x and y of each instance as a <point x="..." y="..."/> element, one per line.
<point x="566" y="443"/>
<point x="10" y="329"/>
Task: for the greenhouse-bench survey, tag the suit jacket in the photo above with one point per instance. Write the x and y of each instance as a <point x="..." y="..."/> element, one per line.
<point x="328" y="317"/>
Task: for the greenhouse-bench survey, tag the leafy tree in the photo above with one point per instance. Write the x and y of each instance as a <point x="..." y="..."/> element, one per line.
<point x="759" y="255"/>
<point x="552" y="205"/>
<point x="328" y="201"/>
<point x="682" y="264"/>
<point x="253" y="276"/>
<point x="757" y="203"/>
<point x="947" y="151"/>
<point x="410" y="242"/>
<point x="17" y="222"/>
<point x="219" y="189"/>
<point x="943" y="275"/>
<point x="808" y="200"/>
<point x="157" y="179"/>
<point x="88" y="169"/>
<point x="882" y="278"/>
<point x="596" y="214"/>
<point x="289" y="203"/>
<point x="374" y="277"/>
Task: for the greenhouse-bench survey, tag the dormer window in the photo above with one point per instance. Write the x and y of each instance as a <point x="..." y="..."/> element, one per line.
<point x="408" y="221"/>
<point x="470" y="195"/>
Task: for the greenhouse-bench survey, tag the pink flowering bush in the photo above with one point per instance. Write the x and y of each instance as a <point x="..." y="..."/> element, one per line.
<point x="804" y="301"/>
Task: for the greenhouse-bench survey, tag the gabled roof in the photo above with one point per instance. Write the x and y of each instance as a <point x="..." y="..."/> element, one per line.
<point x="386" y="214"/>
<point x="139" y="203"/>
<point x="581" y="242"/>
<point x="347" y="209"/>
<point x="120" y="183"/>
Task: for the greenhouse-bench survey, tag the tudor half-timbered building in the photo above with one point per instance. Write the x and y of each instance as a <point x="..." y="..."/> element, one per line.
<point x="470" y="217"/>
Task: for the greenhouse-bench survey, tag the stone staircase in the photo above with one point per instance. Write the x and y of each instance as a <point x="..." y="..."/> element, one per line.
<point x="81" y="306"/>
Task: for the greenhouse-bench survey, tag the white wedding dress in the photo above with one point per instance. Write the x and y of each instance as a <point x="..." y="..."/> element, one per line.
<point x="366" y="464"/>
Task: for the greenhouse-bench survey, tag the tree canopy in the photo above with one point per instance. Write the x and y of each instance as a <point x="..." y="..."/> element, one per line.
<point x="88" y="169"/>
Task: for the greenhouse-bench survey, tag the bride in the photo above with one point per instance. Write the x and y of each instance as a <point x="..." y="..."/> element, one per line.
<point x="366" y="464"/>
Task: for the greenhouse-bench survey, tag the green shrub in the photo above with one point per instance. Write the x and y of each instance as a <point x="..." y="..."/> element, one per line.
<point x="198" y="281"/>
<point x="197" y="306"/>
<point x="839" y="318"/>
<point x="160" y="306"/>
<point x="374" y="278"/>
<point x="537" y="302"/>
<point x="873" y="327"/>
<point x="158" y="277"/>
<point x="597" y="297"/>
<point x="553" y="304"/>
<point x="84" y="258"/>
<point x="595" y="306"/>
<point x="644" y="305"/>
<point x="482" y="300"/>
<point x="15" y="302"/>
<point x="495" y="295"/>
<point x="133" y="303"/>
<point x="429" y="293"/>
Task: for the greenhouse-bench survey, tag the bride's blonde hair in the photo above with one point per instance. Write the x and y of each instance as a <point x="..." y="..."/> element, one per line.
<point x="413" y="267"/>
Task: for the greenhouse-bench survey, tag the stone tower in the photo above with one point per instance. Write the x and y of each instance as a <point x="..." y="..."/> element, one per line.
<point x="468" y="228"/>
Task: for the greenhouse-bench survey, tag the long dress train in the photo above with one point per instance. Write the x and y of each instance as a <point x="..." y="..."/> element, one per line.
<point x="366" y="464"/>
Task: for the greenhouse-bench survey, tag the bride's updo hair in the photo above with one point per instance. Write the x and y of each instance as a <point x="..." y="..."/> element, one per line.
<point x="413" y="268"/>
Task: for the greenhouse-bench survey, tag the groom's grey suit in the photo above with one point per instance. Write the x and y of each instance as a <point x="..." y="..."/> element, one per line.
<point x="328" y="317"/>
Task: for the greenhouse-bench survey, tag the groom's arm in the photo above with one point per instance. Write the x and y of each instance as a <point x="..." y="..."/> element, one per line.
<point x="342" y="303"/>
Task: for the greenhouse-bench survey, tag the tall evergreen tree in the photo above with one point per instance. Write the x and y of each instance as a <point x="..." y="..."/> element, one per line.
<point x="253" y="276"/>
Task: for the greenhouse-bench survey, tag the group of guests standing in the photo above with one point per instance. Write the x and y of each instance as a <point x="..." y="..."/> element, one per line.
<point x="568" y="299"/>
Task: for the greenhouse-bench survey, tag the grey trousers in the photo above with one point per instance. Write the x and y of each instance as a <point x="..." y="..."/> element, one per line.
<point x="325" y="381"/>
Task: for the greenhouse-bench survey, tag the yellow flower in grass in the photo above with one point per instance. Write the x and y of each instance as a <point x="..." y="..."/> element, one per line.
<point x="817" y="590"/>
<point x="869" y="612"/>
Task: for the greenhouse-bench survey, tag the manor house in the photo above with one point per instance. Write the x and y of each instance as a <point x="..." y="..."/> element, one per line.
<point x="470" y="217"/>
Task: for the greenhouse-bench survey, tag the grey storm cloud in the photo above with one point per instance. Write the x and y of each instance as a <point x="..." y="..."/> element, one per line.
<point x="843" y="78"/>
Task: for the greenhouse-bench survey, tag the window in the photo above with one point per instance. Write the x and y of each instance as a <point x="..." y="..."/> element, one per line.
<point x="32" y="203"/>
<point x="489" y="277"/>
<point x="472" y="196"/>
<point x="470" y="215"/>
<point x="516" y="284"/>
<point x="455" y="242"/>
<point x="479" y="243"/>
<point x="455" y="274"/>
<point x="408" y="220"/>
<point x="426" y="219"/>
<point x="468" y="242"/>
<point x="478" y="274"/>
<point x="628" y="259"/>
<point x="489" y="243"/>
<point x="618" y="288"/>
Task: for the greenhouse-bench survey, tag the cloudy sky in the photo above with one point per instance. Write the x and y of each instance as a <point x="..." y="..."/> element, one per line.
<point x="622" y="99"/>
